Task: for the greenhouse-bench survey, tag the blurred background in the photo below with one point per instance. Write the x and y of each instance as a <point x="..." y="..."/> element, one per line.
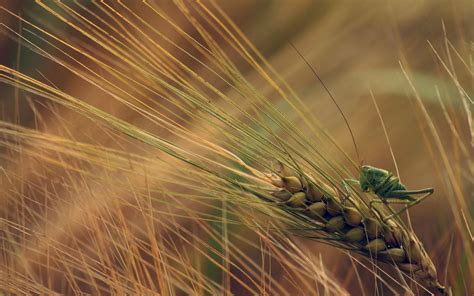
<point x="357" y="48"/>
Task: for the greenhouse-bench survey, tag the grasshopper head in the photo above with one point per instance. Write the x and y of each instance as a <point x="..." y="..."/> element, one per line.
<point x="363" y="177"/>
<point x="371" y="177"/>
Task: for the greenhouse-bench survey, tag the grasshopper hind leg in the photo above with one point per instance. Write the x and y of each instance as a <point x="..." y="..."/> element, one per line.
<point x="413" y="201"/>
<point x="406" y="197"/>
<point x="347" y="188"/>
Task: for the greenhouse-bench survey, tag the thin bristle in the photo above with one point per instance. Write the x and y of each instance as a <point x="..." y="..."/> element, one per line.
<point x="156" y="148"/>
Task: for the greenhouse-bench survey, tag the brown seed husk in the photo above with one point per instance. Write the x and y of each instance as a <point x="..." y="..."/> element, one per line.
<point x="352" y="216"/>
<point x="327" y="190"/>
<point x="356" y="234"/>
<point x="408" y="267"/>
<point x="426" y="272"/>
<point x="372" y="227"/>
<point x="333" y="207"/>
<point x="284" y="170"/>
<point x="297" y="200"/>
<point x="304" y="184"/>
<point x="376" y="245"/>
<point x="392" y="234"/>
<point x="277" y="181"/>
<point x="282" y="195"/>
<point x="314" y="194"/>
<point x="335" y="224"/>
<point x="292" y="184"/>
<point x="413" y="251"/>
<point x="317" y="210"/>
<point x="394" y="254"/>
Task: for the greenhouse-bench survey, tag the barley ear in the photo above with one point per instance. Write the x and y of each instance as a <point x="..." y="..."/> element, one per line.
<point x="360" y="229"/>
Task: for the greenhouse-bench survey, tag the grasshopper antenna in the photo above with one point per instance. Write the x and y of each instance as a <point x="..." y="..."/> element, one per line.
<point x="330" y="95"/>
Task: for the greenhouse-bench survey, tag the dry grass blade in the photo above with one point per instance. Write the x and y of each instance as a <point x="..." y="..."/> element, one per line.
<point x="179" y="161"/>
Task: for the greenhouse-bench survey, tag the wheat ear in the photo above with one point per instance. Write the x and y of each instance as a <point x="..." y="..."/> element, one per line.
<point x="347" y="222"/>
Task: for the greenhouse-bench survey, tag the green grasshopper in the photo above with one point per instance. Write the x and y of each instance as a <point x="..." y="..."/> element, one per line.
<point x="384" y="184"/>
<point x="388" y="188"/>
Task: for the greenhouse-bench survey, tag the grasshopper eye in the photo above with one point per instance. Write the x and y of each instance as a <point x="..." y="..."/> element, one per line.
<point x="364" y="186"/>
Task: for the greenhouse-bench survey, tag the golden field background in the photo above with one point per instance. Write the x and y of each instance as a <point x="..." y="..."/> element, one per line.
<point x="357" y="47"/>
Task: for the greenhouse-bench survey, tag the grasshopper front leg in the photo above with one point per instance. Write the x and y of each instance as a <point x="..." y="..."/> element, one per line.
<point x="346" y="187"/>
<point x="357" y="182"/>
<point x="351" y="181"/>
<point x="380" y="200"/>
